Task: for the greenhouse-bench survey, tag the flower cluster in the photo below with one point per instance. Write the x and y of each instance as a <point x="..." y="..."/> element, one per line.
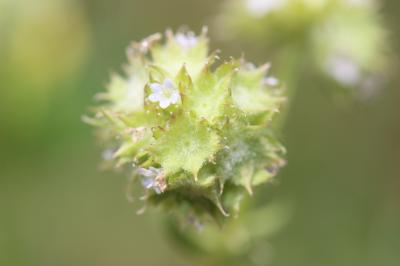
<point x="344" y="39"/>
<point x="197" y="136"/>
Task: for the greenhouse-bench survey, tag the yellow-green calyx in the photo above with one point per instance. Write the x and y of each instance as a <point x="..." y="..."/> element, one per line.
<point x="196" y="136"/>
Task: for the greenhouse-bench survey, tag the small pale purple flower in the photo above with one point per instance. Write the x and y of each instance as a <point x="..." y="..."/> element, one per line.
<point x="152" y="178"/>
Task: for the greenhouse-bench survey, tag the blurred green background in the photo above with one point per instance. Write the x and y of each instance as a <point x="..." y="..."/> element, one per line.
<point x="58" y="208"/>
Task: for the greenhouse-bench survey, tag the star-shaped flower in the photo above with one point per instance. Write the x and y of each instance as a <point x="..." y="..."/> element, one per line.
<point x="165" y="93"/>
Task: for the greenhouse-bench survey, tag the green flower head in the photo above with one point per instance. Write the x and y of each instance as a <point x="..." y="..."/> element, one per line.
<point x="196" y="135"/>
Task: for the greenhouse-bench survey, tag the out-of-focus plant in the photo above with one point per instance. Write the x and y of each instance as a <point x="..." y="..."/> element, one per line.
<point x="242" y="241"/>
<point x="198" y="136"/>
<point x="46" y="40"/>
<point x="343" y="40"/>
<point x="43" y="43"/>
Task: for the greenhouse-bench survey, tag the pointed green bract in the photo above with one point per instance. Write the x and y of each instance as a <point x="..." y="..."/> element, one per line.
<point x="252" y="94"/>
<point x="186" y="145"/>
<point x="208" y="96"/>
<point x="182" y="49"/>
<point x="192" y="133"/>
<point x="127" y="94"/>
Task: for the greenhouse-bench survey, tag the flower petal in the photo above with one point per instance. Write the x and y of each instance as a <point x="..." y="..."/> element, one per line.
<point x="271" y="81"/>
<point x="154" y="97"/>
<point x="175" y="97"/>
<point x="168" y="84"/>
<point x="147" y="182"/>
<point x="156" y="87"/>
<point x="164" y="102"/>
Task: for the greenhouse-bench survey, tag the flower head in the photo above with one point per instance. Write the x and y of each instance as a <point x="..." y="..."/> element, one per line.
<point x="200" y="158"/>
<point x="165" y="94"/>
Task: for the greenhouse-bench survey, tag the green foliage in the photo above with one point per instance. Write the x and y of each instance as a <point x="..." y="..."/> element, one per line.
<point x="198" y="135"/>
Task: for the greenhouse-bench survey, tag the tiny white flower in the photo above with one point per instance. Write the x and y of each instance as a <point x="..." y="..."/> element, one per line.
<point x="165" y="94"/>
<point x="271" y="81"/>
<point x="186" y="40"/>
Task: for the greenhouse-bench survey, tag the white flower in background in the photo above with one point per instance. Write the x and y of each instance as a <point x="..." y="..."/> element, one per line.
<point x="344" y="70"/>
<point x="165" y="94"/>
<point x="262" y="7"/>
<point x="186" y="40"/>
<point x="153" y="178"/>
